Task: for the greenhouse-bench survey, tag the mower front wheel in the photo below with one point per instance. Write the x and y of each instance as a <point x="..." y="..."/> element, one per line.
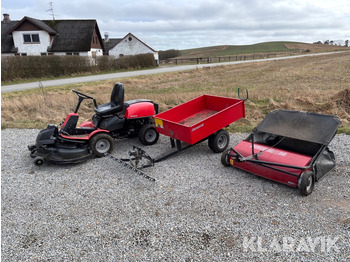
<point x="306" y="183"/>
<point x="101" y="143"/>
<point x="148" y="135"/>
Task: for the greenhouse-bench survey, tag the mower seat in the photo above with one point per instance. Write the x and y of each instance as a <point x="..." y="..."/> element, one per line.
<point x="116" y="103"/>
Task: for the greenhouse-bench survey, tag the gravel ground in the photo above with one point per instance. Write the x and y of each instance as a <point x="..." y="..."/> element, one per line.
<point x="197" y="210"/>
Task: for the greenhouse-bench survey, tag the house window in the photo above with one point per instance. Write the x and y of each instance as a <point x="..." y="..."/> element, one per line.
<point x="31" y="38"/>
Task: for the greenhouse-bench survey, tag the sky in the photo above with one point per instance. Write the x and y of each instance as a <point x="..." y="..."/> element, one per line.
<point x="185" y="24"/>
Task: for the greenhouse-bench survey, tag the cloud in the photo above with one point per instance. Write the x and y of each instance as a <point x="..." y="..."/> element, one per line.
<point x="165" y="24"/>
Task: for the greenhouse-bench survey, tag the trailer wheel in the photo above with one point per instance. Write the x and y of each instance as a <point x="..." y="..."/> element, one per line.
<point x="148" y="135"/>
<point x="306" y="183"/>
<point x="224" y="158"/>
<point x="101" y="143"/>
<point x="219" y="141"/>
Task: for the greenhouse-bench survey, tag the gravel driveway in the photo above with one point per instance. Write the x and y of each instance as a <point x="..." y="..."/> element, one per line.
<point x="197" y="210"/>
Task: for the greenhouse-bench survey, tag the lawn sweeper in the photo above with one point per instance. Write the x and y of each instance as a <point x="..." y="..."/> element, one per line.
<point x="290" y="147"/>
<point x="70" y="143"/>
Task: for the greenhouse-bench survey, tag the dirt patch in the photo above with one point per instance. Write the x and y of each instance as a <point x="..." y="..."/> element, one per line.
<point x="342" y="100"/>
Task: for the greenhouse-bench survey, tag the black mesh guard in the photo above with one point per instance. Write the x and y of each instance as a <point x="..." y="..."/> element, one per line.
<point x="312" y="127"/>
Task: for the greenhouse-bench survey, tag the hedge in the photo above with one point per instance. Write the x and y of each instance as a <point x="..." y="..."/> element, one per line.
<point x="26" y="67"/>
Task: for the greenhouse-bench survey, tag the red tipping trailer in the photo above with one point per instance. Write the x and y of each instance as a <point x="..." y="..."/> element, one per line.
<point x="200" y="118"/>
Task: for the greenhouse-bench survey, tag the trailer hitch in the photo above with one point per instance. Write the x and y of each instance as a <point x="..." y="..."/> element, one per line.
<point x="139" y="158"/>
<point x="239" y="95"/>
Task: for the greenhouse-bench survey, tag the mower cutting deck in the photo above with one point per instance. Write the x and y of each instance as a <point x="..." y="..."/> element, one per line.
<point x="289" y="147"/>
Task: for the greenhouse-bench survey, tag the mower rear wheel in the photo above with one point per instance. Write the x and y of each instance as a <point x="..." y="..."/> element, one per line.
<point x="306" y="183"/>
<point x="219" y="141"/>
<point x="148" y="135"/>
<point x="224" y="158"/>
<point x="101" y="143"/>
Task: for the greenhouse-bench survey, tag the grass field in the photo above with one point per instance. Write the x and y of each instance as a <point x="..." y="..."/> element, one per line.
<point x="266" y="47"/>
<point x="318" y="84"/>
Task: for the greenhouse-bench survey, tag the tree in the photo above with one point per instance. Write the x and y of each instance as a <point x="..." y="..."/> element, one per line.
<point x="169" y="54"/>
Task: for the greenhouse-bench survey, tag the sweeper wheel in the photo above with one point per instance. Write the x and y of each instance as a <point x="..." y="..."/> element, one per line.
<point x="224" y="158"/>
<point x="101" y="143"/>
<point x="306" y="183"/>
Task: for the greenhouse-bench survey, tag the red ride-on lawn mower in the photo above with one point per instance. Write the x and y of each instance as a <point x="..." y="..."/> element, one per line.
<point x="115" y="119"/>
<point x="289" y="147"/>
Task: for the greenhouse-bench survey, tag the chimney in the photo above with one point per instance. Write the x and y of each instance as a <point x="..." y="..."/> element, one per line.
<point x="106" y="37"/>
<point x="7" y="18"/>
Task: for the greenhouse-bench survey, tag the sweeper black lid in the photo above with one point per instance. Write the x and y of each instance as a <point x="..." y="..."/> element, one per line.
<point x="313" y="127"/>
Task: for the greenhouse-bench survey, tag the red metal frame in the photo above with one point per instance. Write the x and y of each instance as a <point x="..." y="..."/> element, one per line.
<point x="84" y="137"/>
<point x="272" y="163"/>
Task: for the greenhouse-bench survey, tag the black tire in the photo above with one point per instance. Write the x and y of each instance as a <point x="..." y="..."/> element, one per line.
<point x="306" y="183"/>
<point x="38" y="161"/>
<point x="148" y="135"/>
<point x="219" y="141"/>
<point x="33" y="154"/>
<point x="224" y="158"/>
<point x="101" y="143"/>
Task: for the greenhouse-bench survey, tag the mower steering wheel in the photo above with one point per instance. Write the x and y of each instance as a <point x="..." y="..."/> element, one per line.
<point x="82" y="95"/>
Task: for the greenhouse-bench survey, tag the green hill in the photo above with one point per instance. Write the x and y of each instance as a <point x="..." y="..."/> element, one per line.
<point x="225" y="50"/>
<point x="266" y="47"/>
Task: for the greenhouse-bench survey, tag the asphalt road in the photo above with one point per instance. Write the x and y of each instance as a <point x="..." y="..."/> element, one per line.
<point x="83" y="79"/>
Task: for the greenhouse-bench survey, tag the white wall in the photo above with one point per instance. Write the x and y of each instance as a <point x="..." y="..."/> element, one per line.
<point x="31" y="48"/>
<point x="131" y="47"/>
<point x="99" y="52"/>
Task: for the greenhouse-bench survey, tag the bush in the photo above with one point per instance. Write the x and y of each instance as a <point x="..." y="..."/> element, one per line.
<point x="136" y="62"/>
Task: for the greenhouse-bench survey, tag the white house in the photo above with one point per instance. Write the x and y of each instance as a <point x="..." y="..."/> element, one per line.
<point x="30" y="37"/>
<point x="128" y="45"/>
